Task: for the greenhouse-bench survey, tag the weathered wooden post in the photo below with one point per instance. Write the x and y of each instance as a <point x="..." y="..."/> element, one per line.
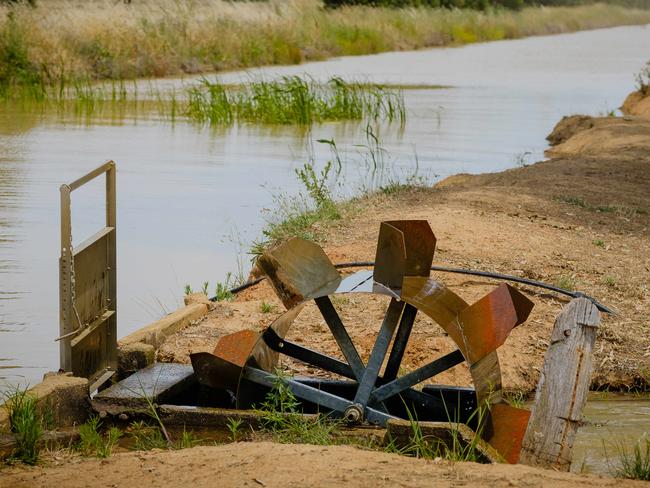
<point x="562" y="388"/>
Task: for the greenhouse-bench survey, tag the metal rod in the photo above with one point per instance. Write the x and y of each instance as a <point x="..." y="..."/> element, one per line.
<point x="307" y="355"/>
<point x="472" y="272"/>
<point x="400" y="343"/>
<point x="313" y="395"/>
<point x="369" y="378"/>
<point x="92" y="175"/>
<point x="341" y="335"/>
<point x="418" y="376"/>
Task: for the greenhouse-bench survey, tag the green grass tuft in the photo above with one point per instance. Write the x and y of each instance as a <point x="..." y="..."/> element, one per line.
<point x="93" y="443"/>
<point x="26" y="423"/>
<point x="266" y="307"/>
<point x="146" y="437"/>
<point x="566" y="282"/>
<point x="282" y="419"/>
<point x="635" y="465"/>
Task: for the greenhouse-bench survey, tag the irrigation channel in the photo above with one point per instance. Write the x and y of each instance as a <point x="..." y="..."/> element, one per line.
<point x="191" y="197"/>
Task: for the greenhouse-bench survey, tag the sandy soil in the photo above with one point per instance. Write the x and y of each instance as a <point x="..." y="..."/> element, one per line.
<point x="270" y="465"/>
<point x="581" y="219"/>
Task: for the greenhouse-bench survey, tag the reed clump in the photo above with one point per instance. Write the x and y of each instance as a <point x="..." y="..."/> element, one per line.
<point x="103" y="39"/>
<point x="294" y="100"/>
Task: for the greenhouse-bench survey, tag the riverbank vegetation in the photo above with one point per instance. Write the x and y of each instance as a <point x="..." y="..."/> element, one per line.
<point x="294" y="100"/>
<point x="75" y="41"/>
<point x="287" y="100"/>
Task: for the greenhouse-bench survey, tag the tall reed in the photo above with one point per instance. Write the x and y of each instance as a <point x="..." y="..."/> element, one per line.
<point x="294" y="100"/>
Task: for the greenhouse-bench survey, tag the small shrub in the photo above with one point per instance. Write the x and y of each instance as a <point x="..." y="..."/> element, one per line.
<point x="566" y="282"/>
<point x="93" y="443"/>
<point x="609" y="281"/>
<point x="643" y="79"/>
<point x="282" y="419"/>
<point x="222" y="291"/>
<point x="188" y="440"/>
<point x="598" y="243"/>
<point x="147" y="437"/>
<point x="636" y="465"/>
<point x="267" y="307"/>
<point x="233" y="426"/>
<point x="25" y="423"/>
<point x="515" y="399"/>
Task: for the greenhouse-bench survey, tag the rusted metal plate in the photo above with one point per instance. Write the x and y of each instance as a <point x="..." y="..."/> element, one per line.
<point x="237" y="347"/>
<point x="404" y="248"/>
<point x="508" y="427"/>
<point x="435" y="300"/>
<point x="222" y="369"/>
<point x="215" y="372"/>
<point x="485" y="325"/>
<point x="299" y="270"/>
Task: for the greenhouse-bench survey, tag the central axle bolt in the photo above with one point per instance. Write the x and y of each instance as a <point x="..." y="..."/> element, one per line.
<point x="353" y="414"/>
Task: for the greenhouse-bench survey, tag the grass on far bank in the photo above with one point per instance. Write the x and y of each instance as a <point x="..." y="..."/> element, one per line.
<point x="101" y="39"/>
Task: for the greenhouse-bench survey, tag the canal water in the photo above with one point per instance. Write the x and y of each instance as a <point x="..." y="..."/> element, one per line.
<point x="191" y="198"/>
<point x="613" y="425"/>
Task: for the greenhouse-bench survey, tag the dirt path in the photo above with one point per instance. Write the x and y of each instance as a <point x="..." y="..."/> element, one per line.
<point x="280" y="465"/>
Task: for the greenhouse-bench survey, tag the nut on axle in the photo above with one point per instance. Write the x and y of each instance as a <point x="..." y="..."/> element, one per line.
<point x="353" y="414"/>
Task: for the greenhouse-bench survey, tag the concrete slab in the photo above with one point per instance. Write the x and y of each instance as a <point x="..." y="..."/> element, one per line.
<point x="156" y="333"/>
<point x="159" y="383"/>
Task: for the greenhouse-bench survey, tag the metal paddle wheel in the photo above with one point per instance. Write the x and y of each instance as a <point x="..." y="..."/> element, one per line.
<point x="374" y="391"/>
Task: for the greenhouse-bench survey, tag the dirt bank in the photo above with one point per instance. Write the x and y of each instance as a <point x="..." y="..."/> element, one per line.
<point x="279" y="465"/>
<point x="580" y="220"/>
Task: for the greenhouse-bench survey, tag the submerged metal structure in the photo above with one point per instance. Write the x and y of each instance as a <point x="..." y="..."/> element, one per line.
<point x="374" y="391"/>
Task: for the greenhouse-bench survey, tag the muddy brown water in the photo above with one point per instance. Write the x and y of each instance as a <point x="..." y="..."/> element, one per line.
<point x="191" y="198"/>
<point x="614" y="423"/>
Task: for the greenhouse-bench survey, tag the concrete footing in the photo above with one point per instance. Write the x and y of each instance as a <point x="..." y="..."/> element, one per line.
<point x="61" y="398"/>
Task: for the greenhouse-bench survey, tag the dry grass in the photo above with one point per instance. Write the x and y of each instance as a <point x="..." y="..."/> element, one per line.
<point x="107" y="39"/>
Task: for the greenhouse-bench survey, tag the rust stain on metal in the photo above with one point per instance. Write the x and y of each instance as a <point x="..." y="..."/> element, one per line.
<point x="508" y="429"/>
<point x="237" y="347"/>
<point x="485" y="325"/>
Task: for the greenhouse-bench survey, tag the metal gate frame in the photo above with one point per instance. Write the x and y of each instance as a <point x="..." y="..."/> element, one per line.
<point x="88" y="290"/>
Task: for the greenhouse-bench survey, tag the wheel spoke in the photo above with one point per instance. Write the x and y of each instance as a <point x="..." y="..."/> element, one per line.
<point x="419" y="375"/>
<point x="378" y="353"/>
<point x="341" y="336"/>
<point x="307" y="355"/>
<point x="401" y="340"/>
